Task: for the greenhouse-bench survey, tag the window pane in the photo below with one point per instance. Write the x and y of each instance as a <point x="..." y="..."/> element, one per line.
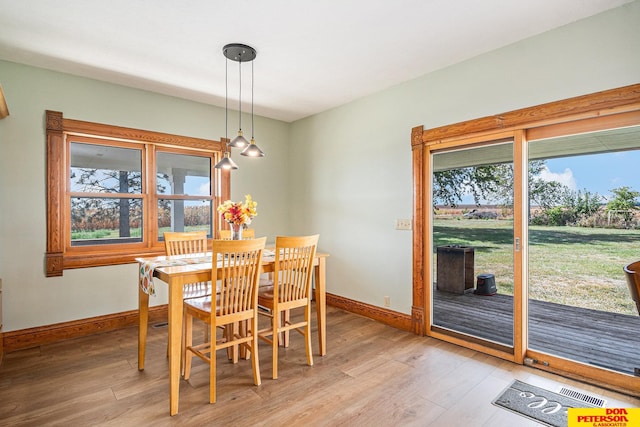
<point x="103" y="169"/>
<point x="183" y="174"/>
<point x="184" y="215"/>
<point x="97" y="221"/>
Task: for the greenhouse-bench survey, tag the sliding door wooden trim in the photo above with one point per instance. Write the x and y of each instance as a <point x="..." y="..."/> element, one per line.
<point x="613" y="108"/>
<point x="603" y="103"/>
<point x="520" y="223"/>
<point x="418" y="314"/>
<point x="582" y="372"/>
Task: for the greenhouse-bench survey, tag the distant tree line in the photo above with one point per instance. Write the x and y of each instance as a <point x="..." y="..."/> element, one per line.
<point x="91" y="214"/>
<point x="551" y="202"/>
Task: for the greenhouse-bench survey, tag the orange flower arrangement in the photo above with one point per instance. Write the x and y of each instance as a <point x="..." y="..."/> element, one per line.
<point x="239" y="213"/>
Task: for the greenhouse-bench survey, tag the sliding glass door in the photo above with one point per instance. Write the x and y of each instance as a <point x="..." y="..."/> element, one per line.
<point x="524" y="222"/>
<point x="472" y="229"/>
<point x="584" y="227"/>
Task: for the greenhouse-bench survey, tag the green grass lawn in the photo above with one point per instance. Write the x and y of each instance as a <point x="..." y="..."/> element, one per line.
<point x="135" y="232"/>
<point x="575" y="266"/>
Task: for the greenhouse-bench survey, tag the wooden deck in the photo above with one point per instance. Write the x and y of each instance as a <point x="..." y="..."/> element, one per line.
<point x="594" y="337"/>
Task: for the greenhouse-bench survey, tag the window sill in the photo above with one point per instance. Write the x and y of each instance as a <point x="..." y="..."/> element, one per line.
<point x="56" y="263"/>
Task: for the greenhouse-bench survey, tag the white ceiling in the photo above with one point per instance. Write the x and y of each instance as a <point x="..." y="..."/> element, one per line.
<point x="313" y="55"/>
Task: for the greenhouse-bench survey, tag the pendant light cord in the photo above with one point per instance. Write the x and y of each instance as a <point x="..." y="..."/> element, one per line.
<point x="226" y="100"/>
<point x="240" y="96"/>
<point x="252" y="100"/>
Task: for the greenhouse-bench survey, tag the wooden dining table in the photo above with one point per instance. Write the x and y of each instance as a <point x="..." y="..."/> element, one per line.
<point x="176" y="277"/>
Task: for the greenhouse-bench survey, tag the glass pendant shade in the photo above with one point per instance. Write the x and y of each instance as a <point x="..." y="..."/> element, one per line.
<point x="226" y="163"/>
<point x="239" y="141"/>
<point x="252" y="150"/>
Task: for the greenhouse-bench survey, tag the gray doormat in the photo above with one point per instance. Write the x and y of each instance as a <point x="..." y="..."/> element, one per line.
<point x="538" y="404"/>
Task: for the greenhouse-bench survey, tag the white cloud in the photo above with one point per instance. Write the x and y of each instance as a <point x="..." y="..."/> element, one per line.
<point x="203" y="190"/>
<point x="565" y="177"/>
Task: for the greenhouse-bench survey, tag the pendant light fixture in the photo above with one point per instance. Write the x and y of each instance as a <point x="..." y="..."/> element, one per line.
<point x="252" y="149"/>
<point x="240" y="53"/>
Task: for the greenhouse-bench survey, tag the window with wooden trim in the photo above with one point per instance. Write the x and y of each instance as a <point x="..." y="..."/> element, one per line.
<point x="112" y="192"/>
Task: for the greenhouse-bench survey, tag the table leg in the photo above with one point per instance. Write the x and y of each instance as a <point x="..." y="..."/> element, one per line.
<point x="175" y="339"/>
<point x="143" y="321"/>
<point x="286" y="317"/>
<point x="321" y="300"/>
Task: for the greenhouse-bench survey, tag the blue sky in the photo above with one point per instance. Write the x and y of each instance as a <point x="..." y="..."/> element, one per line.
<point x="597" y="173"/>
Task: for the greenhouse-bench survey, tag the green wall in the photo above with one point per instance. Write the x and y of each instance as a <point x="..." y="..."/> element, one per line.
<point x="353" y="163"/>
<point x="345" y="173"/>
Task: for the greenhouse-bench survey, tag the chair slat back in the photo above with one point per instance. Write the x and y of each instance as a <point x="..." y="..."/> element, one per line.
<point x="294" y="267"/>
<point x="247" y="233"/>
<point x="632" y="272"/>
<point x="237" y="268"/>
<point x="184" y="243"/>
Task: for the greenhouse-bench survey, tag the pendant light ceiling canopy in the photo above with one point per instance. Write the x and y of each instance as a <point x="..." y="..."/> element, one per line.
<point x="240" y="53"/>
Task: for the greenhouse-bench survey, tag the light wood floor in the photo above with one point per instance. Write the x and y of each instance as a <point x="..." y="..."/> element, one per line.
<point x="373" y="375"/>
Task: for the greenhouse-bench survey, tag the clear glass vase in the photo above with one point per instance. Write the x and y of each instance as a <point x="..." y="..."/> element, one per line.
<point x="236" y="231"/>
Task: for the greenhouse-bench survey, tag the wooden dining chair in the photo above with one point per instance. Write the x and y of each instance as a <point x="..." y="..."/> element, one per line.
<point x="189" y="243"/>
<point x="236" y="266"/>
<point x="291" y="289"/>
<point x="247" y="233"/>
<point x="632" y="271"/>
